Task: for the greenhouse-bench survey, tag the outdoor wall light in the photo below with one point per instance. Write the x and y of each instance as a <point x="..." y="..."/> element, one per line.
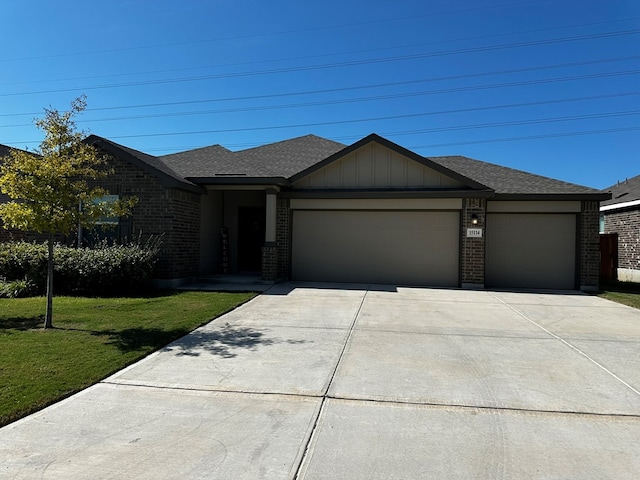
<point x="474" y="219"/>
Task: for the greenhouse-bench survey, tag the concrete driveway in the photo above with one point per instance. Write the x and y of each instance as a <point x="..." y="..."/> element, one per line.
<point x="319" y="381"/>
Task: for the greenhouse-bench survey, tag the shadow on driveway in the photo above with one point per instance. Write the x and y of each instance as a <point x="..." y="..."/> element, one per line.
<point x="224" y="341"/>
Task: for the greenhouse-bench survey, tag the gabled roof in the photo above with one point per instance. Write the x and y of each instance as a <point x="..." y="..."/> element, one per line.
<point x="508" y="182"/>
<point x="623" y="193"/>
<point x="284" y="162"/>
<point x="148" y="163"/>
<point x="468" y="181"/>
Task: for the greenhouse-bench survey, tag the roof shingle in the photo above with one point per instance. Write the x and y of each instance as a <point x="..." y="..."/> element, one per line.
<point x="504" y="180"/>
<point x="623" y="192"/>
<point x="281" y="159"/>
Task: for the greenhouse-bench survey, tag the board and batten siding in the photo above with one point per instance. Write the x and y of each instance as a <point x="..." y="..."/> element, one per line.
<point x="376" y="166"/>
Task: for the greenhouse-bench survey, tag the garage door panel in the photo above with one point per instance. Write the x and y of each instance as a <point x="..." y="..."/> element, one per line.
<point x="531" y="251"/>
<point x="417" y="247"/>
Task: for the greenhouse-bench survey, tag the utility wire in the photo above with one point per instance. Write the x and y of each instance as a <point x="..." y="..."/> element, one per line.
<point x="529" y="137"/>
<point x="336" y="64"/>
<point x="374" y="119"/>
<point x="287" y="32"/>
<point x="349" y="100"/>
<point x="363" y="87"/>
<point x="323" y="55"/>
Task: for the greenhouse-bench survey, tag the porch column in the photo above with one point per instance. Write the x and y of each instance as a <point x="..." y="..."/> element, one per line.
<point x="270" y="224"/>
<point x="270" y="250"/>
<point x="473" y="242"/>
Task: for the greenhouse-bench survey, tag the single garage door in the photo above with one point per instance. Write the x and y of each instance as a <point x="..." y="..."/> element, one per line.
<point x="526" y="250"/>
<point x="394" y="247"/>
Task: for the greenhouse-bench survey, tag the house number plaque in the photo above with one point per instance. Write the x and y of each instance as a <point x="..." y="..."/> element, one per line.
<point x="474" y="232"/>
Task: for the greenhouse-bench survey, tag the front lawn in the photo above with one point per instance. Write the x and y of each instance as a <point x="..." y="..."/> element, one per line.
<point x="622" y="292"/>
<point x="92" y="338"/>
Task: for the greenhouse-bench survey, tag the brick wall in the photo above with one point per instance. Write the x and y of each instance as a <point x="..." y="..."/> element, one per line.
<point x="270" y="262"/>
<point x="283" y="237"/>
<point x="172" y="213"/>
<point x="626" y="223"/>
<point x="472" y="249"/>
<point x="590" y="245"/>
<point x="184" y="232"/>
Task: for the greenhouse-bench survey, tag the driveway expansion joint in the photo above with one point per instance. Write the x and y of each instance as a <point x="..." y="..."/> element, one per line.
<point x="571" y="346"/>
<point x="325" y="396"/>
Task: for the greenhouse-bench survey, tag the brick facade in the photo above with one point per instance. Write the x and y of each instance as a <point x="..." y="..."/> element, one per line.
<point x="472" y="248"/>
<point x="589" y="242"/>
<point x="283" y="237"/>
<point x="170" y="212"/>
<point x="270" y="262"/>
<point x="626" y="223"/>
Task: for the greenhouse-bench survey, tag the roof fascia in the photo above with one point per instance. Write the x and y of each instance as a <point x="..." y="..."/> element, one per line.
<point x="619" y="206"/>
<point x="596" y="197"/>
<point x="229" y="180"/>
<point x="374" y="137"/>
<point x="382" y="194"/>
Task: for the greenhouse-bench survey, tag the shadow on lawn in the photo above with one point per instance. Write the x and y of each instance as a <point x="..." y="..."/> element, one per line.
<point x="221" y="342"/>
<point x="21" y="323"/>
<point x="133" y="339"/>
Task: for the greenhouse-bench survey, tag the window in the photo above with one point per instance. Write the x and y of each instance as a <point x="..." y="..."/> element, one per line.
<point x="601" y="224"/>
<point x="111" y="229"/>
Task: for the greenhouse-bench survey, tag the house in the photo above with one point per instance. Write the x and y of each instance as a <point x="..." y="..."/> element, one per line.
<point x="313" y="209"/>
<point x="620" y="215"/>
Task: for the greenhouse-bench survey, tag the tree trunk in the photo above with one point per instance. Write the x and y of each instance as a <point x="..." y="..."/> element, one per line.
<point x="48" y="319"/>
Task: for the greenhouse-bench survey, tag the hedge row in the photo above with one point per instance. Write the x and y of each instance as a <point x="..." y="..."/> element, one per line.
<point x="102" y="270"/>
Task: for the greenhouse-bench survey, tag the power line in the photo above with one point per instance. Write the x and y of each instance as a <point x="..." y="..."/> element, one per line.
<point x="529" y="137"/>
<point x="373" y="119"/>
<point x="285" y="32"/>
<point x="336" y="64"/>
<point x="437" y="145"/>
<point x="370" y="86"/>
<point x="308" y="57"/>
<point x="352" y="100"/>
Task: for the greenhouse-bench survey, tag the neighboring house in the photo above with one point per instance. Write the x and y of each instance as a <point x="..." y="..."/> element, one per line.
<point x="371" y="212"/>
<point x="621" y="215"/>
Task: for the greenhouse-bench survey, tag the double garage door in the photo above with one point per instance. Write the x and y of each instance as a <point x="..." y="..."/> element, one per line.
<point x="374" y="246"/>
<point x="522" y="250"/>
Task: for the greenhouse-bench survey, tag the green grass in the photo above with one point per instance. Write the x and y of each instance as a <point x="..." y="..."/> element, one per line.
<point x="622" y="292"/>
<point x="92" y="338"/>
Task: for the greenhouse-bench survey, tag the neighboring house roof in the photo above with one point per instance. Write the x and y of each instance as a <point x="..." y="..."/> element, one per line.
<point x="624" y="194"/>
<point x="279" y="160"/>
<point x="146" y="162"/>
<point x="508" y="182"/>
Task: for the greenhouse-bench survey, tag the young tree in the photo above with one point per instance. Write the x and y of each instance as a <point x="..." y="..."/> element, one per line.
<point x="53" y="190"/>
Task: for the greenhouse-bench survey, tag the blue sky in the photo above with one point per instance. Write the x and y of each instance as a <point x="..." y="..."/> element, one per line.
<point x="551" y="87"/>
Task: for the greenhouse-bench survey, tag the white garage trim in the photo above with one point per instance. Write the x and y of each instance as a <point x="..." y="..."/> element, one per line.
<point x="529" y="250"/>
<point x="376" y="204"/>
<point x="375" y="246"/>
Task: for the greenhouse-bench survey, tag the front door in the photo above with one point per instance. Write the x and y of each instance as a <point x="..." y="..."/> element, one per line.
<point x="251" y="230"/>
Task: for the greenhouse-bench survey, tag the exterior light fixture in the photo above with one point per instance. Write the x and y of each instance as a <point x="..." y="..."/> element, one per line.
<point x="474" y="219"/>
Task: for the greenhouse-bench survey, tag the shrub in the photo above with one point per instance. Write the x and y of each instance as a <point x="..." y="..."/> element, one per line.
<point x="102" y="270"/>
<point x="17" y="289"/>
